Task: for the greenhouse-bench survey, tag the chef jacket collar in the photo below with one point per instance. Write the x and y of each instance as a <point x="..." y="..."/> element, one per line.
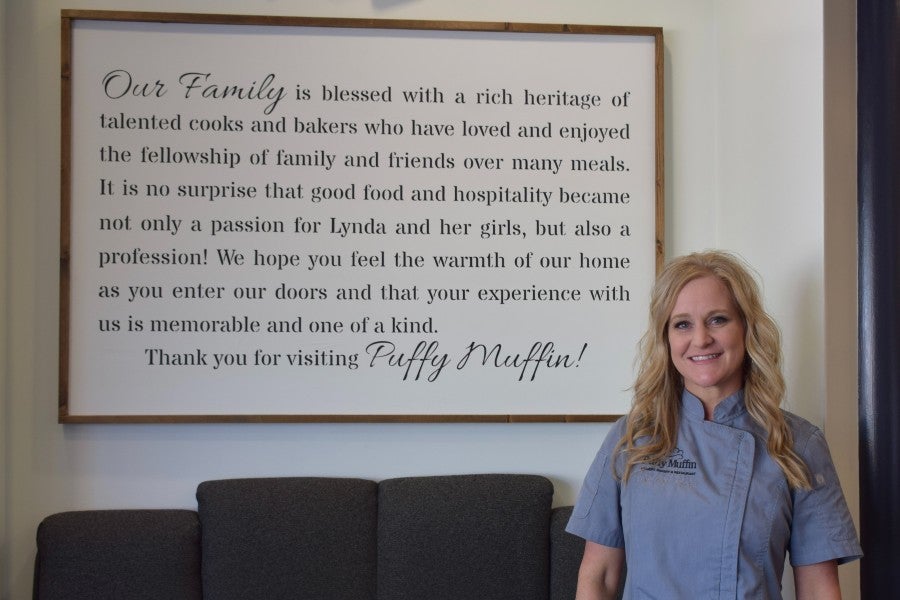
<point x="727" y="410"/>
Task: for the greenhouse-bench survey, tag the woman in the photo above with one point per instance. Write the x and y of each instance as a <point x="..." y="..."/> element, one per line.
<point x="707" y="484"/>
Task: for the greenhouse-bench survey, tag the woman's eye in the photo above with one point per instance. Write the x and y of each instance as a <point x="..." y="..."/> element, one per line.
<point x="719" y="320"/>
<point x="680" y="325"/>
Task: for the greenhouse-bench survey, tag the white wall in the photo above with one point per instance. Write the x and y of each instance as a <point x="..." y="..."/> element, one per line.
<point x="770" y="178"/>
<point x="744" y="171"/>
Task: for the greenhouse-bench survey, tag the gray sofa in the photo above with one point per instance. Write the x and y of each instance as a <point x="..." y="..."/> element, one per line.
<point x="456" y="537"/>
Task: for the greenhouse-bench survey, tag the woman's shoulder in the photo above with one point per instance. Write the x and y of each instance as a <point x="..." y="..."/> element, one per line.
<point x="803" y="431"/>
<point x="616" y="432"/>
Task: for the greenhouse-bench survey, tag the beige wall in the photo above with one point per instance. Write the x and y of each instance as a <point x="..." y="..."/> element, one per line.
<point x="841" y="372"/>
<point x="745" y="170"/>
<point x="4" y="338"/>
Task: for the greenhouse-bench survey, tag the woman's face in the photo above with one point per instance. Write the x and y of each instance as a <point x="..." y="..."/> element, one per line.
<point x="706" y="340"/>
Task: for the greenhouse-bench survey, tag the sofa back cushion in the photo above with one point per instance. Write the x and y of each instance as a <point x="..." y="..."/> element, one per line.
<point x="114" y="554"/>
<point x="464" y="537"/>
<point x="297" y="538"/>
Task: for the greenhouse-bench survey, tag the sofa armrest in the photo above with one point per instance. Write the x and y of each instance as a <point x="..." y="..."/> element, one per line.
<point x="566" y="551"/>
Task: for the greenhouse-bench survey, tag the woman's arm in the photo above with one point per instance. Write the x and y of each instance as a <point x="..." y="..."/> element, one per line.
<point x="818" y="581"/>
<point x="600" y="572"/>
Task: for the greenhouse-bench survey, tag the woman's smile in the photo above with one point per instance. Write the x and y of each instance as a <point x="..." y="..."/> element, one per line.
<point x="706" y="340"/>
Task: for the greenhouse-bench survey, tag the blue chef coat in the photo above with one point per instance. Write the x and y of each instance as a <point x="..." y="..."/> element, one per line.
<point x="715" y="519"/>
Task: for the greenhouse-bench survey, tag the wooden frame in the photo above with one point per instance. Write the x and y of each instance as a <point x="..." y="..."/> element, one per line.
<point x="120" y="172"/>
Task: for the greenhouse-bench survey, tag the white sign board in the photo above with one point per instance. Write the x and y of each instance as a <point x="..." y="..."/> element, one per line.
<point x="303" y="219"/>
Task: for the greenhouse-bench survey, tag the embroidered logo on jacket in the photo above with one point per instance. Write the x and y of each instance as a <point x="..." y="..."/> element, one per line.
<point x="676" y="463"/>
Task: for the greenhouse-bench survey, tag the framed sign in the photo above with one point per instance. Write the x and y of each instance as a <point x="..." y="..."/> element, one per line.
<point x="303" y="219"/>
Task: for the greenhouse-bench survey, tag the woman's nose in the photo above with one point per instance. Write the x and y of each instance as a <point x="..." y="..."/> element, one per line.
<point x="701" y="336"/>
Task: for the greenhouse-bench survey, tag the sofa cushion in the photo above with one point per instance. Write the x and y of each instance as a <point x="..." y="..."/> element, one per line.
<point x="302" y="538"/>
<point x="115" y="554"/>
<point x="464" y="537"/>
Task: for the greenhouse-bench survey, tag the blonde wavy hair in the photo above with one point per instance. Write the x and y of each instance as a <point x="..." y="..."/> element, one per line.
<point x="656" y="407"/>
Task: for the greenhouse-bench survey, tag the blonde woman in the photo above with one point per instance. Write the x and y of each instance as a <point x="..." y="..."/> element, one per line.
<point x="707" y="484"/>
